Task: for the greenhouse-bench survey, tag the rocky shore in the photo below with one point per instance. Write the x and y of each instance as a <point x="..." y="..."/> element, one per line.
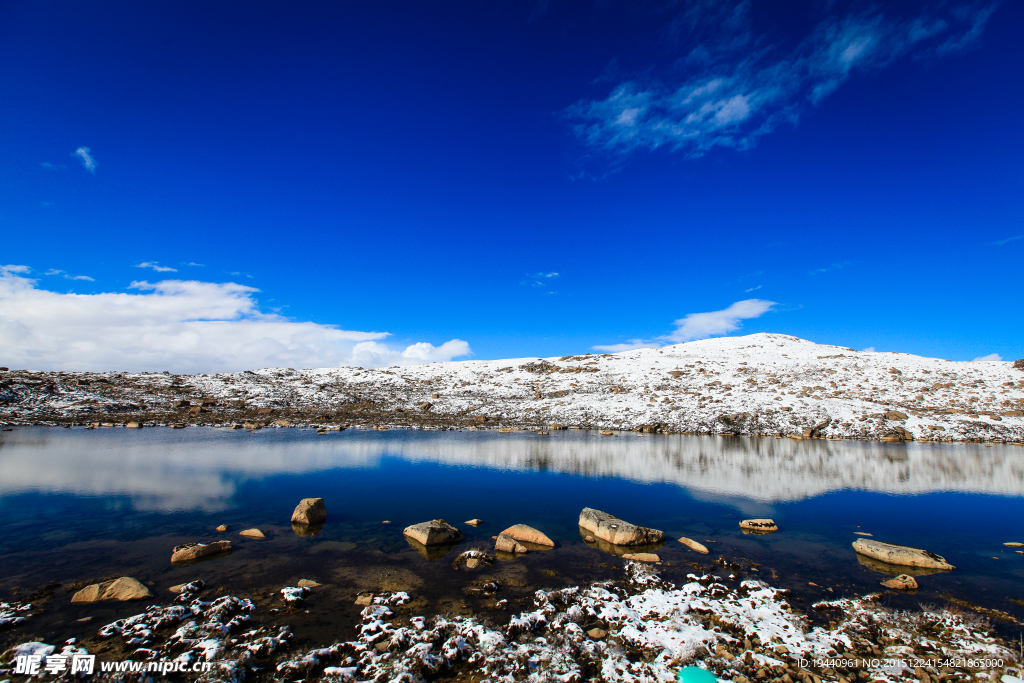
<point x="638" y="628"/>
<point x="761" y="384"/>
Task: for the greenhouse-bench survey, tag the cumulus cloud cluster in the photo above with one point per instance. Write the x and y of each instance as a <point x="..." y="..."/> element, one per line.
<point x="733" y="86"/>
<point x="699" y="326"/>
<point x="181" y="326"/>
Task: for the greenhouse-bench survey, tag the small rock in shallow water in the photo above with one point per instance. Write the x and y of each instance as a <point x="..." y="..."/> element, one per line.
<point x="694" y="545"/>
<point x="903" y="582"/>
<point x="364" y="599"/>
<point x="763" y="526"/>
<point x="252" y="533"/>
<point x="307" y="583"/>
<point x="1014" y="544"/>
<point x="223" y="527"/>
<point x="474" y="522"/>
<point x="862" y="533"/>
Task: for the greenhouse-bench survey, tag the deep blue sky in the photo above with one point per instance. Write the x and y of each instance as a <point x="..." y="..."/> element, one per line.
<point x="414" y="167"/>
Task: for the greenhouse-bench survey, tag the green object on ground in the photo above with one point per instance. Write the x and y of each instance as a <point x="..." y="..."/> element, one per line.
<point x="695" y="674"/>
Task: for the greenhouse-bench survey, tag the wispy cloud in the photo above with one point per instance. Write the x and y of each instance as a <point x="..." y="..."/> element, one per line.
<point x="87" y="160"/>
<point x="1008" y="239"/>
<point x="991" y="356"/>
<point x="182" y="326"/>
<point x="752" y="289"/>
<point x="69" y="276"/>
<point x="197" y="265"/>
<point x="735" y="87"/>
<point x="542" y="280"/>
<point x="833" y="266"/>
<point x="700" y="325"/>
<point x="52" y="167"/>
<point x="157" y="267"/>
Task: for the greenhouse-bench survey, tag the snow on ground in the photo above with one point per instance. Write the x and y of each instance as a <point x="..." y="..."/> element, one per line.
<point x="639" y="629"/>
<point x="756" y="384"/>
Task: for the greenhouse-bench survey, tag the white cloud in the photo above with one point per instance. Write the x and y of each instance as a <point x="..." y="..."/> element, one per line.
<point x="870" y="349"/>
<point x="700" y="326"/>
<point x="991" y="356"/>
<point x="715" y="323"/>
<point x="182" y="326"/>
<point x="68" y="276"/>
<point x="198" y="265"/>
<point x="1008" y="240"/>
<point x="752" y="289"/>
<point x="87" y="160"/>
<point x="158" y="268"/>
<point x="739" y="86"/>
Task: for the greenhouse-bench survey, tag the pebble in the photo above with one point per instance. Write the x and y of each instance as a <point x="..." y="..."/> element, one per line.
<point x="597" y="633"/>
<point x="307" y="583"/>
<point x="223" y="527"/>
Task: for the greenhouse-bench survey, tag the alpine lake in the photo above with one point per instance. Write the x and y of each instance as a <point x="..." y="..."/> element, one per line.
<point x="78" y="506"/>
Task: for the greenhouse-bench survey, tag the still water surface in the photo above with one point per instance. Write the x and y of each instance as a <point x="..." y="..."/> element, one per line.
<point x="79" y="505"/>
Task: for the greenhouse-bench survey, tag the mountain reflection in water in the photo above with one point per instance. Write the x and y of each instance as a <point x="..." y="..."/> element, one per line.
<point x="199" y="469"/>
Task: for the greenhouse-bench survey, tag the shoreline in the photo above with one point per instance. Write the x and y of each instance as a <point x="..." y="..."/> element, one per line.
<point x="761" y="384"/>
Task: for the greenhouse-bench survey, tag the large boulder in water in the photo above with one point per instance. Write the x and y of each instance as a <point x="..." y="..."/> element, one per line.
<point x="527" y="534"/>
<point x="900" y="554"/>
<point x="310" y="511"/>
<point x="434" y="532"/>
<point x="190" y="552"/>
<point x="125" y="588"/>
<point x="616" y="531"/>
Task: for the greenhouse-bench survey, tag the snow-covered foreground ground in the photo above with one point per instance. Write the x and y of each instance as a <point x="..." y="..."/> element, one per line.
<point x="756" y="384"/>
<point x="638" y="629"/>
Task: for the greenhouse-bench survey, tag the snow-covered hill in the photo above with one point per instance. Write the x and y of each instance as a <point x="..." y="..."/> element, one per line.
<point x="756" y="384"/>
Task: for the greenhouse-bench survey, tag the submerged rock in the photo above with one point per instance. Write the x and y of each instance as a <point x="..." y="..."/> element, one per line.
<point x="310" y="511"/>
<point x="307" y="583"/>
<point x="903" y="582"/>
<point x="474" y="522"/>
<point x="252" y="533"/>
<point x="189" y="552"/>
<point x="616" y="531"/>
<point x="527" y="534"/>
<point x="900" y="554"/>
<point x="434" y="532"/>
<point x="223" y="527"/>
<point x="641" y="557"/>
<point x="122" y="589"/>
